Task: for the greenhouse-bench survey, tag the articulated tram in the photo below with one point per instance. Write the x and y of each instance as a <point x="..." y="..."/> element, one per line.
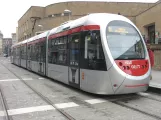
<point x="99" y="53"/>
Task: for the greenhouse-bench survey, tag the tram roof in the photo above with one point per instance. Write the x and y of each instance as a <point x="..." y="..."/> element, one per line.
<point x="94" y="18"/>
<point x="42" y="35"/>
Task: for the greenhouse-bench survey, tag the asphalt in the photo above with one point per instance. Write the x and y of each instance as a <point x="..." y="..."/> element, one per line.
<point x="24" y="104"/>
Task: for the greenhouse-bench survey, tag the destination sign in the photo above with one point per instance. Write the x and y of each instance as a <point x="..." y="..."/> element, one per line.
<point x="117" y="30"/>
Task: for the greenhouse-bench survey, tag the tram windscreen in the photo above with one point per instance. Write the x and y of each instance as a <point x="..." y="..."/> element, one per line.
<point x="124" y="41"/>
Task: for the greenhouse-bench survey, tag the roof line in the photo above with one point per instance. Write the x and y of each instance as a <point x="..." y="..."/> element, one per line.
<point x="28" y="10"/>
<point x="148" y="8"/>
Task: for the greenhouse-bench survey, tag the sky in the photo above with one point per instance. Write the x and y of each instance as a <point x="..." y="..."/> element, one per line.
<point x="12" y="10"/>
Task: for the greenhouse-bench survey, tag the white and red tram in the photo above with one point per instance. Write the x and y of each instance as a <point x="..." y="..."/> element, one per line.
<point x="99" y="53"/>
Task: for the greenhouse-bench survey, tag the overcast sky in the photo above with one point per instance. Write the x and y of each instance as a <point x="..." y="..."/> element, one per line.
<point x="12" y="10"/>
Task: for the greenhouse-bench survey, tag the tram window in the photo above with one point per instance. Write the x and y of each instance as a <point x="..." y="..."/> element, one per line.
<point x="36" y="52"/>
<point x="74" y="49"/>
<point x="22" y="52"/>
<point x="93" y="51"/>
<point x="54" y="52"/>
<point x="25" y="52"/>
<point x="31" y="51"/>
<point x="65" y="40"/>
<point x="18" y="52"/>
<point x="13" y="52"/>
<point x="49" y="50"/>
<point x="60" y="40"/>
<point x="62" y="54"/>
<point x="28" y="52"/>
<point x="41" y="52"/>
<point x="74" y="41"/>
<point x="57" y="50"/>
<point x="130" y="45"/>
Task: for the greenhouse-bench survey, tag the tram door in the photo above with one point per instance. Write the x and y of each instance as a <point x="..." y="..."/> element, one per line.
<point x="73" y="56"/>
<point x="41" y="58"/>
<point x="19" y="55"/>
<point x="29" y="57"/>
<point x="14" y="55"/>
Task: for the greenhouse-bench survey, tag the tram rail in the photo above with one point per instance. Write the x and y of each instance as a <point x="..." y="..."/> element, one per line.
<point x="66" y="115"/>
<point x="4" y="105"/>
<point x="122" y="100"/>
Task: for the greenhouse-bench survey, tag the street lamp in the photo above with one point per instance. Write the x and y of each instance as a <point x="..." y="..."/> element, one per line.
<point x="40" y="26"/>
<point x="66" y="11"/>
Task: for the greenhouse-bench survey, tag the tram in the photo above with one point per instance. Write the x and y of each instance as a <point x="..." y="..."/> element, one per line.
<point x="99" y="53"/>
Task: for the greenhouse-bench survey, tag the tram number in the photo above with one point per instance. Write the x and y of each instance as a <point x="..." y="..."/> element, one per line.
<point x="135" y="66"/>
<point x="128" y="62"/>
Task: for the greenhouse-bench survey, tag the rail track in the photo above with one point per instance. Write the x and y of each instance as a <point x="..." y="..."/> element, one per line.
<point x="4" y="106"/>
<point x="121" y="100"/>
<point x="66" y="115"/>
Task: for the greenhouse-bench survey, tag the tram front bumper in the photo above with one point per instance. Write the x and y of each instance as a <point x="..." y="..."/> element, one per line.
<point x="133" y="86"/>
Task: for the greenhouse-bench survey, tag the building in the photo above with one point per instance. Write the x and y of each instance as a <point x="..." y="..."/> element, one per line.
<point x="16" y="34"/>
<point x="14" y="38"/>
<point x="1" y="38"/>
<point x="39" y="18"/>
<point x="6" y="46"/>
<point x="149" y="24"/>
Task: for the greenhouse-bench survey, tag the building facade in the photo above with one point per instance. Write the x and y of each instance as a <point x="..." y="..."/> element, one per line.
<point x="149" y="24"/>
<point x="6" y="46"/>
<point x="14" y="38"/>
<point x="37" y="19"/>
<point x="1" y="38"/>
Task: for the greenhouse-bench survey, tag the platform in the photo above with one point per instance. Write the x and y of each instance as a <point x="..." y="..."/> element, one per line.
<point x="156" y="79"/>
